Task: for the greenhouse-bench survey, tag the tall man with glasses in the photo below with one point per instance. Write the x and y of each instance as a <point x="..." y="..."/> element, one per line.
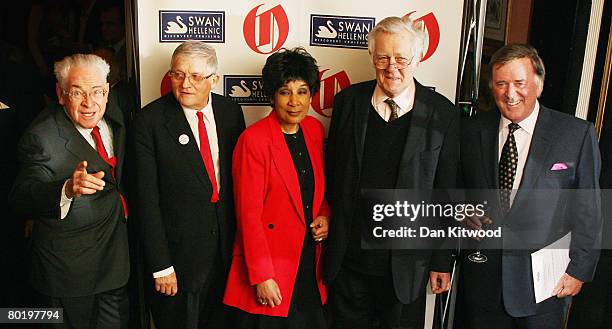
<point x="182" y="151"/>
<point x="386" y="133"/>
<point x="71" y="162"/>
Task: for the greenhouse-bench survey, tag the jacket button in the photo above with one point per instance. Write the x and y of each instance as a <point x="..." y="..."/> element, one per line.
<point x="213" y="232"/>
<point x="271" y="226"/>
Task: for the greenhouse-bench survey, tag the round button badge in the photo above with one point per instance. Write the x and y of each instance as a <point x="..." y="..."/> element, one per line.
<point x="183" y="139"/>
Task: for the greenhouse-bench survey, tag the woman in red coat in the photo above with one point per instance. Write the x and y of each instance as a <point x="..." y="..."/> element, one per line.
<point x="275" y="280"/>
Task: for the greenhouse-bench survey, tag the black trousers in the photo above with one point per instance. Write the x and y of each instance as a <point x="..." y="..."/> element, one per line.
<point x="498" y="318"/>
<point x="193" y="310"/>
<point x="107" y="310"/>
<point x="361" y="301"/>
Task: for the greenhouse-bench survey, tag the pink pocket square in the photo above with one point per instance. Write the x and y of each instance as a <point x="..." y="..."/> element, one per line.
<point x="559" y="166"/>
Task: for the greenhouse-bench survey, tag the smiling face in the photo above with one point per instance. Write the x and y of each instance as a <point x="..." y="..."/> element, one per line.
<point x="391" y="80"/>
<point x="188" y="92"/>
<point x="516" y="88"/>
<point x="291" y="104"/>
<point x="89" y="109"/>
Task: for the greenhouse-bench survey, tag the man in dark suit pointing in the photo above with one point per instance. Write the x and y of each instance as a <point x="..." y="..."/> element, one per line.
<point x="71" y="162"/>
<point x="529" y="152"/>
<point x="182" y="151"/>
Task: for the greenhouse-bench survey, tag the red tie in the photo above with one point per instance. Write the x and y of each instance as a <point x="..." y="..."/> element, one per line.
<point x="207" y="157"/>
<point x="95" y="133"/>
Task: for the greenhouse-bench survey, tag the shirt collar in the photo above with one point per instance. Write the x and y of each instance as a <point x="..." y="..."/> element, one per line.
<point x="207" y="110"/>
<point x="403" y="100"/>
<point x="528" y="124"/>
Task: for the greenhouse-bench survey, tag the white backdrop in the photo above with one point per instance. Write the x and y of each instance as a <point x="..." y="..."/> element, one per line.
<point x="245" y="32"/>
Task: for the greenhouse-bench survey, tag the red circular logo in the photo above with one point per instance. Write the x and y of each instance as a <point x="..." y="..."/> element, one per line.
<point x="272" y="27"/>
<point x="433" y="32"/>
<point x="166" y="85"/>
<point x="330" y="85"/>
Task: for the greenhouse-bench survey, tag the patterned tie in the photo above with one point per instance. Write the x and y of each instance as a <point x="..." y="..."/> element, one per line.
<point x="95" y="133"/>
<point x="507" y="167"/>
<point x="207" y="157"/>
<point x="394" y="109"/>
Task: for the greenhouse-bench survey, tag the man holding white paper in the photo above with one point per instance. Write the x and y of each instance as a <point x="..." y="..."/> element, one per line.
<point x="546" y="166"/>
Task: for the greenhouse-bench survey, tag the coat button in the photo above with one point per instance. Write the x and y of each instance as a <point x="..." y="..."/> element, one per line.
<point x="271" y="226"/>
<point x="213" y="232"/>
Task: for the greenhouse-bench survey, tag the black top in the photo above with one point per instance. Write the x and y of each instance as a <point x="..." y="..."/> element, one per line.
<point x="305" y="291"/>
<point x="382" y="153"/>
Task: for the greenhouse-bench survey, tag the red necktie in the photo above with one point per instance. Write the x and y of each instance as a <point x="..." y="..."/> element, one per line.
<point x="207" y="156"/>
<point x="95" y="133"/>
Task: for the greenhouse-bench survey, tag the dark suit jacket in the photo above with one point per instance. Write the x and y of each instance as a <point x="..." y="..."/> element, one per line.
<point x="179" y="226"/>
<point x="543" y="210"/>
<point x="429" y="160"/>
<point x="271" y="223"/>
<point x="86" y="252"/>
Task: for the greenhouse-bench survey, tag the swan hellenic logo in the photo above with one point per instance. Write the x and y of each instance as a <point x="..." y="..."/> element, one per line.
<point x="340" y="31"/>
<point x="179" y="26"/>
<point x="245" y="89"/>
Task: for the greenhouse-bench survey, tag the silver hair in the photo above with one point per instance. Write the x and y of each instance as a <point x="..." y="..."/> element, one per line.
<point x="397" y="25"/>
<point x="63" y="67"/>
<point x="197" y="49"/>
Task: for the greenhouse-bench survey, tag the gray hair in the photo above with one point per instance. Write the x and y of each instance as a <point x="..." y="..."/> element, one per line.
<point x="397" y="25"/>
<point x="197" y="49"/>
<point x="63" y="67"/>
<point x="517" y="51"/>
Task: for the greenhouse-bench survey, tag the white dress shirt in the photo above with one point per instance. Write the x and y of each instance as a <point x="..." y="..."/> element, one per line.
<point x="107" y="139"/>
<point x="211" y="130"/>
<point x="405" y="100"/>
<point x="522" y="137"/>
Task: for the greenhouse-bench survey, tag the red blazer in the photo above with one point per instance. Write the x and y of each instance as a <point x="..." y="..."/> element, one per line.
<point x="270" y="219"/>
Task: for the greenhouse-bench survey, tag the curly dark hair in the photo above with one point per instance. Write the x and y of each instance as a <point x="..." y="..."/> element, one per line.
<point x="288" y="65"/>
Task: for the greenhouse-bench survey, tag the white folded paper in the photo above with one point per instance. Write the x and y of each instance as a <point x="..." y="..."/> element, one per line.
<point x="548" y="265"/>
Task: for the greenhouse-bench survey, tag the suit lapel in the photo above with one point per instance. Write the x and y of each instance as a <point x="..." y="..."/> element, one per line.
<point x="316" y="162"/>
<point x="543" y="134"/>
<point x="78" y="146"/>
<point x="415" y="140"/>
<point x="489" y="150"/>
<point x="221" y="123"/>
<point x="114" y="119"/>
<point x="284" y="163"/>
<point x="361" y="107"/>
<point x="177" y="126"/>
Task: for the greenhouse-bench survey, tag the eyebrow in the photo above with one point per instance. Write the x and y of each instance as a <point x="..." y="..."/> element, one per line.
<point x="80" y="87"/>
